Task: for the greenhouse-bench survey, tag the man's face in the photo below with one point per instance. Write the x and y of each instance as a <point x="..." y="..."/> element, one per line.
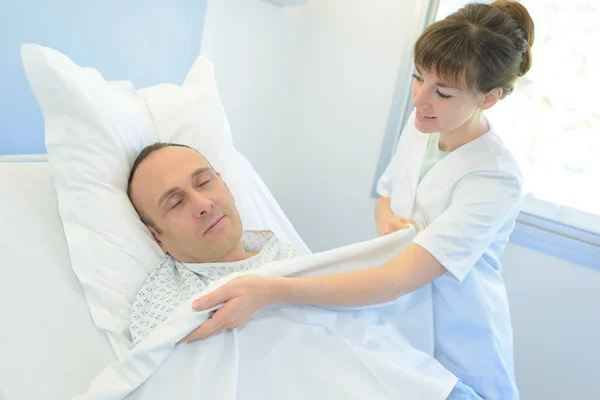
<point x="192" y="210"/>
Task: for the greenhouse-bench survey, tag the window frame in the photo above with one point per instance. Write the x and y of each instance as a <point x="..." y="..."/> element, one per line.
<point x="542" y="226"/>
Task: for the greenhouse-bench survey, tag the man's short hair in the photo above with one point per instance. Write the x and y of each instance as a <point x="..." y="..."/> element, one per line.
<point x="146" y="151"/>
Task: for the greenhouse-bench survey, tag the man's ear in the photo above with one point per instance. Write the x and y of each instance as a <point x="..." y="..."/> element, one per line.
<point x="490" y="98"/>
<point x="155" y="235"/>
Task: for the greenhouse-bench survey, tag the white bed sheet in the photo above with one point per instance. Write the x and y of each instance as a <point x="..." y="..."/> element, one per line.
<point x="286" y="351"/>
<point x="49" y="347"/>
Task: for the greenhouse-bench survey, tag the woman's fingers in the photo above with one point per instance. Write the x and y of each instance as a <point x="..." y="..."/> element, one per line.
<point x="210" y="327"/>
<point x="396" y="224"/>
<point x="408" y="221"/>
<point x="213" y="299"/>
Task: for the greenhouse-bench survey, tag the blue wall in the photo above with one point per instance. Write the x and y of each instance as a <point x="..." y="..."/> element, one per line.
<point x="145" y="41"/>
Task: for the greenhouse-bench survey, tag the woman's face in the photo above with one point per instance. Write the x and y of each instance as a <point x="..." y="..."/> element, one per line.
<point x="442" y="106"/>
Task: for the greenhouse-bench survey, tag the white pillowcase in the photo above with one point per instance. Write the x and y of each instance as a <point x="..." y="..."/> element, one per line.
<point x="94" y="130"/>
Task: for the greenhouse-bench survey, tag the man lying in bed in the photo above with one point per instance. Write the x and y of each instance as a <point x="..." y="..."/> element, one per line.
<point x="191" y="214"/>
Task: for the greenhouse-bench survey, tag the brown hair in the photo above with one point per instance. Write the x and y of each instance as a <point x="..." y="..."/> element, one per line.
<point x="490" y="44"/>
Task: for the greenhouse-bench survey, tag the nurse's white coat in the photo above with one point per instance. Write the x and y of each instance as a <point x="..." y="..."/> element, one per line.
<point x="465" y="208"/>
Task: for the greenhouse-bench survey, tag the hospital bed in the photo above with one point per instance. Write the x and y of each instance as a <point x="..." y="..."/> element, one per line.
<point x="49" y="347"/>
<point x="56" y="334"/>
<point x="50" y="344"/>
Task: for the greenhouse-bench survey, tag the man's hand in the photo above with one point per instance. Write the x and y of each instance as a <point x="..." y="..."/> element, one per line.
<point x="393" y="224"/>
<point x="242" y="297"/>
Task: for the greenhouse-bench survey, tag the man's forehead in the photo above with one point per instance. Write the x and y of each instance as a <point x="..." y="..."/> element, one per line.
<point x="165" y="161"/>
<point x="165" y="168"/>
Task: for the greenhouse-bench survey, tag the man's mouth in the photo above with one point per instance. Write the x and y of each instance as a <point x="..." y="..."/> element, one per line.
<point x="213" y="224"/>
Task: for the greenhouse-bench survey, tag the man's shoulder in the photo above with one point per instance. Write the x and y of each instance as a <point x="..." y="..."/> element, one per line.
<point x="166" y="267"/>
<point x="168" y="263"/>
<point x="266" y="243"/>
<point x="255" y="240"/>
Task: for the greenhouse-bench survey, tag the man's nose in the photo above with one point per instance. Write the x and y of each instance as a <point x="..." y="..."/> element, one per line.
<point x="202" y="204"/>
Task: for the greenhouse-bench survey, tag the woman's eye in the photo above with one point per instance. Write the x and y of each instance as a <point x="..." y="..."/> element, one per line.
<point x="443" y="96"/>
<point x="417" y="77"/>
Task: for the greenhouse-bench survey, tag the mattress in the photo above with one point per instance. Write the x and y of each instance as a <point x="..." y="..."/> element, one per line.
<point x="49" y="346"/>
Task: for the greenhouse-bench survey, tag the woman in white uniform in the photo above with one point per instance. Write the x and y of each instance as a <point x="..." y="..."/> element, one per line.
<point x="451" y="177"/>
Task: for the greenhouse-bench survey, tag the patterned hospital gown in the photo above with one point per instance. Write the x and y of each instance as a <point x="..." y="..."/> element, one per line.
<point x="174" y="282"/>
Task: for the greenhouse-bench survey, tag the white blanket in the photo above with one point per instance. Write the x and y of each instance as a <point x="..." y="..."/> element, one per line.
<point x="285" y="351"/>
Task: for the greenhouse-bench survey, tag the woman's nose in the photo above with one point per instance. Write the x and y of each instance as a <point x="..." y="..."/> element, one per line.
<point x="420" y="97"/>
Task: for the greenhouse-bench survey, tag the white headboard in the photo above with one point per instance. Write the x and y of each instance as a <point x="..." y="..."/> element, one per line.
<point x="23" y="158"/>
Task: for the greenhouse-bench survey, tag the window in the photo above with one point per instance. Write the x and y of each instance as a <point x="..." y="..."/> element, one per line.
<point x="551" y="122"/>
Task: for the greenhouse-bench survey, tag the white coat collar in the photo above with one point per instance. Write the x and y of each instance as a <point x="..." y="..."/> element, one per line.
<point x="454" y="164"/>
<point x="445" y="172"/>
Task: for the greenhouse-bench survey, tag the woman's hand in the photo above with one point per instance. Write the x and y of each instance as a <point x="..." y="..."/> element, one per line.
<point x="387" y="221"/>
<point x="242" y="297"/>
<point x="393" y="224"/>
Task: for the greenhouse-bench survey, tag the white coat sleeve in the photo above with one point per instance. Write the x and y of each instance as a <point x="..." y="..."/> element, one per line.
<point x="385" y="184"/>
<point x="481" y="202"/>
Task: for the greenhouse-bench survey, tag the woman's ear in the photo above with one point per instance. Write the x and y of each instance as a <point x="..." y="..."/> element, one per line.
<point x="490" y="98"/>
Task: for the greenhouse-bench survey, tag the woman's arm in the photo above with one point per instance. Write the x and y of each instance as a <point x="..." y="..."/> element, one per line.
<point x="242" y="297"/>
<point x="387" y="221"/>
<point x="383" y="210"/>
<point x="410" y="270"/>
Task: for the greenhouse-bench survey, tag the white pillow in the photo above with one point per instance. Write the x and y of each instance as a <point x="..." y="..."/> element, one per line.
<point x="94" y="130"/>
<point x="193" y="114"/>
